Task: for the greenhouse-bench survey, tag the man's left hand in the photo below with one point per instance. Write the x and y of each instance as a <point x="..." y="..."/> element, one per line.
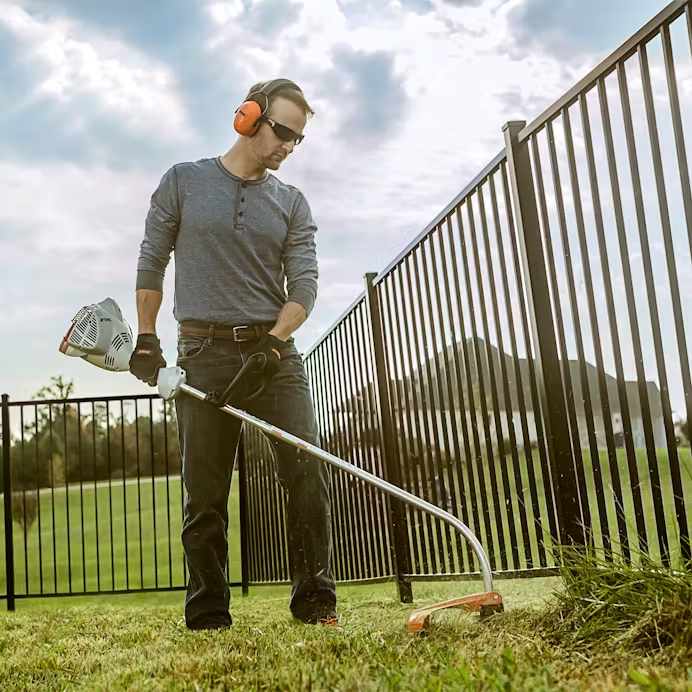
<point x="270" y="345"/>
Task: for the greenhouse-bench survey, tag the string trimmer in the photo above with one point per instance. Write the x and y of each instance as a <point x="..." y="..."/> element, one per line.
<point x="100" y="335"/>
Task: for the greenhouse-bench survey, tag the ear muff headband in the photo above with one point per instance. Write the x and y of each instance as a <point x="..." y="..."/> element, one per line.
<point x="247" y="115"/>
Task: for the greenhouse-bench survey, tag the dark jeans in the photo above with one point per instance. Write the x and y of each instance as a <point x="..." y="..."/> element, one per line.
<point x="208" y="439"/>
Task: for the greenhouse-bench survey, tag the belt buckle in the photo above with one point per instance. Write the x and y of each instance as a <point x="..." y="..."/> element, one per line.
<point x="235" y="333"/>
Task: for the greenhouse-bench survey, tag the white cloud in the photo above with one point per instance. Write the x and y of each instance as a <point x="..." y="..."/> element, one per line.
<point x="460" y="85"/>
<point x="66" y="209"/>
<point x="224" y="12"/>
<point x="126" y="82"/>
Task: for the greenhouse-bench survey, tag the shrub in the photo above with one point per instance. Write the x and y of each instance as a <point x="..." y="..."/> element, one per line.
<point x="25" y="508"/>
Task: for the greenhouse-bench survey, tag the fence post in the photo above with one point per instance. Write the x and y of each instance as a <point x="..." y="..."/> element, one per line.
<point x="383" y="410"/>
<point x="542" y="324"/>
<point x="242" y="481"/>
<point x="7" y="490"/>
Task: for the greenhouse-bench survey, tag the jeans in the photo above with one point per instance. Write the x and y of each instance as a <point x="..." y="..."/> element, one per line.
<point x="208" y="440"/>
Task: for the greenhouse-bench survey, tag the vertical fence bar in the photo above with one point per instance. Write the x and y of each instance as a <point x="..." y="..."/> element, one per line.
<point x="460" y="369"/>
<point x="122" y="447"/>
<point x="242" y="492"/>
<point x="632" y="470"/>
<point x="645" y="407"/>
<point x="506" y="393"/>
<point x="475" y="457"/>
<point x="423" y="526"/>
<point x="168" y="491"/>
<point x="531" y="376"/>
<point x="379" y="526"/>
<point x="496" y="552"/>
<point x="356" y="491"/>
<point x="519" y="483"/>
<point x="343" y="443"/>
<point x="680" y="148"/>
<point x="453" y="449"/>
<point x="96" y="504"/>
<point x="7" y="489"/>
<point x="52" y="498"/>
<point x="439" y="412"/>
<point x="153" y="490"/>
<point x="420" y="371"/>
<point x="427" y="381"/>
<point x="666" y="227"/>
<point x="503" y="480"/>
<point x="399" y="528"/>
<point x="400" y="400"/>
<point x="26" y="547"/>
<point x="67" y="492"/>
<point x="586" y="396"/>
<point x="81" y="494"/>
<point x="548" y="371"/>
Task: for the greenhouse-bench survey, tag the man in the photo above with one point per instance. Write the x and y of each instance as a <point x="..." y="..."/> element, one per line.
<point x="245" y="280"/>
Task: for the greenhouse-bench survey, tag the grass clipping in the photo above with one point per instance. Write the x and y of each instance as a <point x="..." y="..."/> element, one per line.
<point x="643" y="607"/>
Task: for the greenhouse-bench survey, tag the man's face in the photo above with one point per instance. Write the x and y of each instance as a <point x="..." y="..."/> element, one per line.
<point x="269" y="149"/>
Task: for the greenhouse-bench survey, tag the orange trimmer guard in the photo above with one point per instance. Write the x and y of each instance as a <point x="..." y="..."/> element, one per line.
<point x="485" y="603"/>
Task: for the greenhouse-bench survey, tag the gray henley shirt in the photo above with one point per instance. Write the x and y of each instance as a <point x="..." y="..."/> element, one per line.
<point x="243" y="248"/>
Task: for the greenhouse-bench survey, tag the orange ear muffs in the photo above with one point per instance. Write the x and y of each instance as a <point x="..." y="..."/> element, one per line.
<point x="247" y="118"/>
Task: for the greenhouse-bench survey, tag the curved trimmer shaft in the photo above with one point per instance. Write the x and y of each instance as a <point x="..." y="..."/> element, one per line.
<point x="172" y="381"/>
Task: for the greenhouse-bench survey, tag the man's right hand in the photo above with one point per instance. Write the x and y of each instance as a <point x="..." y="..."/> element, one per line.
<point x="147" y="359"/>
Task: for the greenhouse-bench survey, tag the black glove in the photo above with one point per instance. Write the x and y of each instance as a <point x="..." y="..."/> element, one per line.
<point x="270" y="346"/>
<point x="147" y="359"/>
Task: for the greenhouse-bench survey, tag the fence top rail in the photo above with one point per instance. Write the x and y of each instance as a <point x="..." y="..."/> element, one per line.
<point x="335" y="325"/>
<point x="487" y="171"/>
<point x="412" y="245"/>
<point x="83" y="400"/>
<point x="669" y="14"/>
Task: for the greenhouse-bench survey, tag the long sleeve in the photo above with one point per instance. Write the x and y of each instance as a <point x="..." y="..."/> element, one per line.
<point x="300" y="256"/>
<point x="161" y="230"/>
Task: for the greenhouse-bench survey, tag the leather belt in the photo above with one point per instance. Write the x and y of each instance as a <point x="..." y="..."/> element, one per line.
<point x="251" y="332"/>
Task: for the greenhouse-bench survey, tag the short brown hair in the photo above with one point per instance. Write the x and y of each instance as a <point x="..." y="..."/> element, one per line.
<point x="286" y="92"/>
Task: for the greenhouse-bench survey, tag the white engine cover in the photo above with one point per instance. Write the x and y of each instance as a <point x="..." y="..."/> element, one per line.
<point x="101" y="336"/>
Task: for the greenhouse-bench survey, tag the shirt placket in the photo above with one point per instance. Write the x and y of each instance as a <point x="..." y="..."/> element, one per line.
<point x="241" y="206"/>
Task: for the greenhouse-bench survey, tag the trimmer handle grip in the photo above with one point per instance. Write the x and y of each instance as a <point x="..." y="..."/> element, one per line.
<point x="254" y="365"/>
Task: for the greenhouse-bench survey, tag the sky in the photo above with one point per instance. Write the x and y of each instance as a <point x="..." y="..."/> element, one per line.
<point x="98" y="99"/>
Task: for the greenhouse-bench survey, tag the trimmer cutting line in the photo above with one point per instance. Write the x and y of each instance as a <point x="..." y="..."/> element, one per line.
<point x="101" y="336"/>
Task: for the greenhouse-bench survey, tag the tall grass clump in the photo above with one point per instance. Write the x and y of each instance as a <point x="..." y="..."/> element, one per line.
<point x="645" y="607"/>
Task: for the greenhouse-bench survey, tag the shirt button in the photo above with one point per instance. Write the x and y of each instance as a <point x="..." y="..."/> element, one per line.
<point x="242" y="199"/>
<point x="240" y="213"/>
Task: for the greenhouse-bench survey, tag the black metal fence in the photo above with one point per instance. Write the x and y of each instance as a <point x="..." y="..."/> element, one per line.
<point x="519" y="365"/>
<point x="518" y="362"/>
<point x="93" y="498"/>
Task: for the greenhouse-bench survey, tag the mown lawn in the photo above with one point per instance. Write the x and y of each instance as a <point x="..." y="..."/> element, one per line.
<point x="140" y="643"/>
<point x="98" y="550"/>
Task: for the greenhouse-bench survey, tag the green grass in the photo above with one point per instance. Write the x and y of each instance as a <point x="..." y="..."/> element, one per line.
<point x="544" y="640"/>
<point x="644" y="608"/>
<point x="137" y="643"/>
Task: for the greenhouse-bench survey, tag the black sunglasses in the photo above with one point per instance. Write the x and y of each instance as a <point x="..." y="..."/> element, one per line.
<point x="285" y="134"/>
